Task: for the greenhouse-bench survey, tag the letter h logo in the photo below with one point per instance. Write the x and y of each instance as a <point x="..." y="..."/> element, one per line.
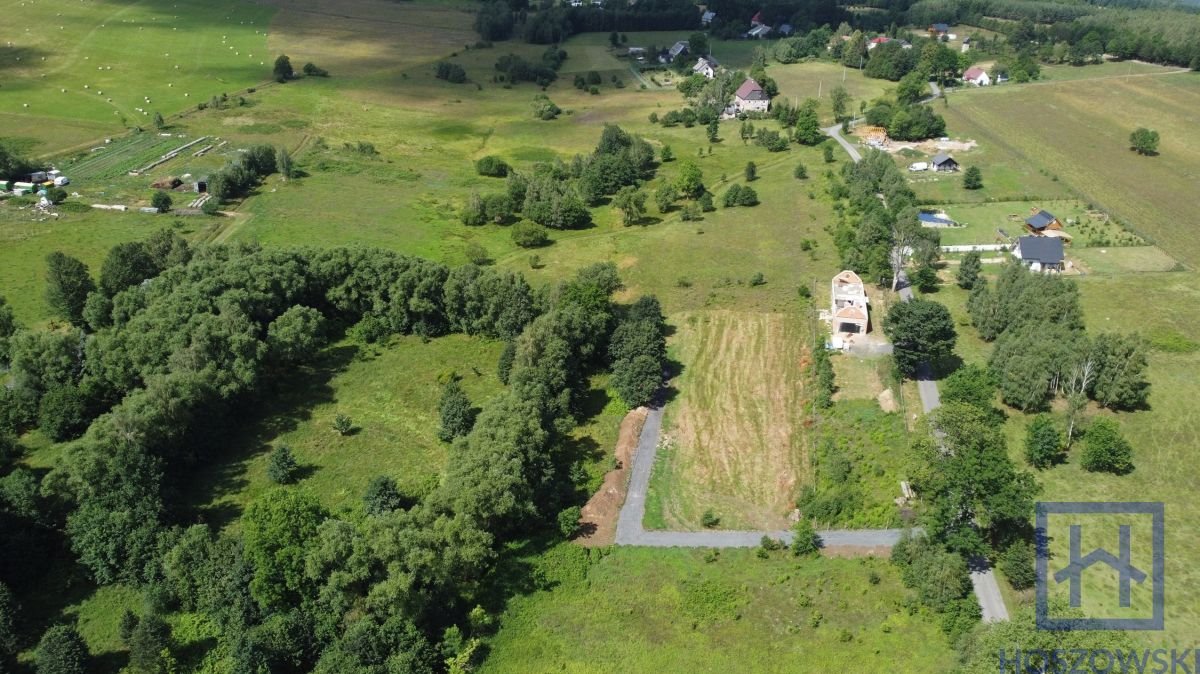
<point x="1122" y="563"/>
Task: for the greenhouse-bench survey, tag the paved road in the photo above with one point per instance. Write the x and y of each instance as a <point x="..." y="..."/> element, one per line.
<point x="630" y="530"/>
<point x="835" y="132"/>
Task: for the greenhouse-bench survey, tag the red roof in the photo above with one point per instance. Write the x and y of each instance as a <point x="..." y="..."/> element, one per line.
<point x="973" y="73"/>
<point x="750" y="91"/>
<point x="757" y="18"/>
<point x="881" y="39"/>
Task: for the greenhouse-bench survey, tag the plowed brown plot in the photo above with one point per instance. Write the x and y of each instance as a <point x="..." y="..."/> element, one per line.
<point x="735" y="442"/>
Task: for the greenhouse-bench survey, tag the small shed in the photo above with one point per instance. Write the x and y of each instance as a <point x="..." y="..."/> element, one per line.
<point x="943" y="162"/>
<point x="1042" y="220"/>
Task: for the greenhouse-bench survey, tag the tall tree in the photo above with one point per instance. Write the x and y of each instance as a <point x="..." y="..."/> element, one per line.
<point x="126" y="265"/>
<point x="61" y="651"/>
<point x="808" y="125"/>
<point x="1043" y="442"/>
<point x="631" y="202"/>
<point x="1144" y="141"/>
<point x="457" y="413"/>
<point x="67" y="286"/>
<point x="839" y="99"/>
<point x="279" y="527"/>
<point x="920" y="330"/>
<point x="282" y="72"/>
<point x="968" y="270"/>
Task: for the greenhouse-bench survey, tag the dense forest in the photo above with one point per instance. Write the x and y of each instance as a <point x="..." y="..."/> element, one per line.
<point x="169" y="350"/>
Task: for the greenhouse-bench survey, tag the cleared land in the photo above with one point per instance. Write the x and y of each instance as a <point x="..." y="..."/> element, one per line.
<point x="643" y="610"/>
<point x="1079" y="132"/>
<point x="735" y="442"/>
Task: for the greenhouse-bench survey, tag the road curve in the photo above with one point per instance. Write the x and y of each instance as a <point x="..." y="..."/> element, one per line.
<point x="835" y="132"/>
<point x="631" y="531"/>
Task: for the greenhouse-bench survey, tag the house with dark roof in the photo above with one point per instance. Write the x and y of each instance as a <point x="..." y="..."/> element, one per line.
<point x="1040" y="253"/>
<point x="676" y="49"/>
<point x="751" y="97"/>
<point x="758" y="32"/>
<point x="943" y="162"/>
<point x="935" y="220"/>
<point x="939" y="29"/>
<point x="1041" y="220"/>
<point x="707" y="17"/>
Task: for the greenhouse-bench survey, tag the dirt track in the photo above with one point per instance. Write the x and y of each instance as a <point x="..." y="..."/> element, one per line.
<point x="598" y="524"/>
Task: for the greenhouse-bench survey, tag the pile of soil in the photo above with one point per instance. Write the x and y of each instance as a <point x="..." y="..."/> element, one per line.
<point x="598" y="522"/>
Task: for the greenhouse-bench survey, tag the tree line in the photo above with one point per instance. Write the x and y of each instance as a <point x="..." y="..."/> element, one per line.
<point x="175" y="342"/>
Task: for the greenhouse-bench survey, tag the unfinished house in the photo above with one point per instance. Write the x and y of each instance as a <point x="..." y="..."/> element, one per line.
<point x="848" y="305"/>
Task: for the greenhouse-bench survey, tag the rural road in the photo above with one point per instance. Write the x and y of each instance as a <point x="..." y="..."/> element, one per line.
<point x="631" y="531"/>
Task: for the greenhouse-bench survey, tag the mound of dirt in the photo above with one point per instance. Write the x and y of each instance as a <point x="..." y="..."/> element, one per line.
<point x="598" y="522"/>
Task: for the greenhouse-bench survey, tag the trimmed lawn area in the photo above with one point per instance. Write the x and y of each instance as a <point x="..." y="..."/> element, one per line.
<point x="670" y="610"/>
<point x="981" y="222"/>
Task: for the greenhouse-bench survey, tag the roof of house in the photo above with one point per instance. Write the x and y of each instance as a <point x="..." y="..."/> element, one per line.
<point x="881" y="39"/>
<point x="1040" y="220"/>
<point x="852" y="312"/>
<point x="708" y="16"/>
<point x="940" y="27"/>
<point x="678" y="48"/>
<point x="942" y="158"/>
<point x="759" y="30"/>
<point x="757" y="18"/>
<point x="1044" y="249"/>
<point x="973" y="73"/>
<point x="787" y="29"/>
<point x="751" y="91"/>
<point x="847" y="277"/>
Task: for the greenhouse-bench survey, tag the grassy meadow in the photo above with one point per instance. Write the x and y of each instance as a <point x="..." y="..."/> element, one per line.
<point x="641" y="610"/>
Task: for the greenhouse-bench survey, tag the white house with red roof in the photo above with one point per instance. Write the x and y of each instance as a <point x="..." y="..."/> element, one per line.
<point x="977" y="76"/>
<point x="750" y="97"/>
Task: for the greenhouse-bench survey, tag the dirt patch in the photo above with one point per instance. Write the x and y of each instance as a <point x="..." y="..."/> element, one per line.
<point x="887" y="401"/>
<point x="598" y="522"/>
<point x="857" y="551"/>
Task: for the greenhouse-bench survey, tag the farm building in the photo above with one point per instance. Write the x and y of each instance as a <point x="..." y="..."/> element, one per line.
<point x="676" y="49"/>
<point x="966" y="44"/>
<point x="943" y="162"/>
<point x="707" y="66"/>
<point x="759" y="32"/>
<point x="1040" y="221"/>
<point x="750" y="97"/>
<point x="1040" y="253"/>
<point x="848" y="304"/>
<point x="977" y="76"/>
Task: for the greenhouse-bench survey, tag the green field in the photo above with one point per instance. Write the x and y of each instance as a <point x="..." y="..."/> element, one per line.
<point x="1078" y="131"/>
<point x="396" y="418"/>
<point x="80" y="71"/>
<point x="642" y="610"/>
<point x="980" y="222"/>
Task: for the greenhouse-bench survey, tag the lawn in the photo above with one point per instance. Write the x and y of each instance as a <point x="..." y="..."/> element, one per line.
<point x="734" y="440"/>
<point x="1078" y="131"/>
<point x="981" y="221"/>
<point x="644" y="610"/>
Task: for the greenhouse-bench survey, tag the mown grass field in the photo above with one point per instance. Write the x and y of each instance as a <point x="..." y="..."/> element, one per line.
<point x="1078" y="131"/>
<point x="982" y="220"/>
<point x="642" y="610"/>
<point x="79" y="71"/>
<point x="734" y="440"/>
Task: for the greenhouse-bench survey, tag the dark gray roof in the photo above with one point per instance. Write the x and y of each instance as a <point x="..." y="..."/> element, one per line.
<point x="1044" y="249"/>
<point x="942" y="158"/>
<point x="1040" y="220"/>
<point x="941" y="27"/>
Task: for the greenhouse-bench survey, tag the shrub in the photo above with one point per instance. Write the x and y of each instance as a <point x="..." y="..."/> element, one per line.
<point x="343" y="424"/>
<point x="161" y="201"/>
<point x="312" y="70"/>
<point x="1017" y="564"/>
<point x="568" y="521"/>
<point x="62" y="413"/>
<point x="804" y="538"/>
<point x="477" y="254"/>
<point x="709" y="519"/>
<point x="451" y="72"/>
<point x="529" y="234"/>
<point x="801" y="172"/>
<point x="973" y="178"/>
<point x="544" y="108"/>
<point x="1105" y="450"/>
<point x="491" y="165"/>
<point x="1043" y="442"/>
<point x="758" y="279"/>
<point x="1144" y="141"/>
<point x="282" y="467"/>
